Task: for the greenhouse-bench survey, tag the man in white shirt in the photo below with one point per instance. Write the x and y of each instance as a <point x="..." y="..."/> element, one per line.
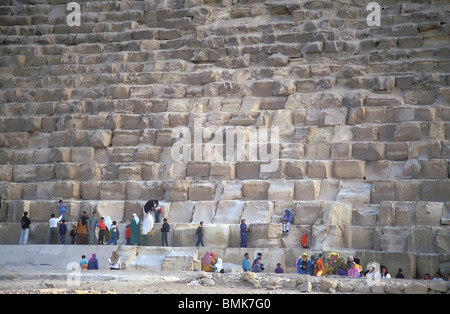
<point x="53" y="239"/>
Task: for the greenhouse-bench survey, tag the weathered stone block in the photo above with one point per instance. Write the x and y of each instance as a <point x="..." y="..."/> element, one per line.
<point x="307" y="190"/>
<point x="176" y="191"/>
<point x="258" y="212"/>
<point x="354" y="192"/>
<point x="408" y="131"/>
<point x="247" y="170"/>
<point x="201" y="191"/>
<point x="113" y="191"/>
<point x="368" y="151"/>
<point x="347" y="169"/>
<point x="100" y="138"/>
<point x="255" y="189"/>
<point x="181" y="212"/>
<point x="319" y="169"/>
<point x="83" y="155"/>
<point x="61" y="154"/>
<point x="204" y="211"/>
<point x="229" y="212"/>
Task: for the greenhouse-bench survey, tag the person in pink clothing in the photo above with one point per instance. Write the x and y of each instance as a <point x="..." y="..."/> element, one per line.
<point x="353" y="271"/>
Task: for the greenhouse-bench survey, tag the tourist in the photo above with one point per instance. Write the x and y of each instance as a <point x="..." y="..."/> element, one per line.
<point x="148" y="223"/>
<point x="93" y="263"/>
<point x="319" y="268"/>
<point x="438" y="276"/>
<point x="244" y="233"/>
<point x="101" y="230"/>
<point x="164" y="231"/>
<point x="353" y="271"/>
<point x="207" y="260"/>
<point x="92" y="223"/>
<point x="304" y="241"/>
<point x="114" y="234"/>
<point x="62" y="232"/>
<point x="257" y="268"/>
<point x="279" y="269"/>
<point x="53" y="231"/>
<point x="303" y="264"/>
<point x="199" y="233"/>
<point x="127" y="235"/>
<point x="135" y="227"/>
<point x="258" y="258"/>
<point x="341" y="266"/>
<point x="373" y="273"/>
<point x="81" y="237"/>
<point x="246" y="263"/>
<point x="287" y="220"/>
<point x="83" y="262"/>
<point x="25" y="226"/>
<point x="73" y="234"/>
<point x="114" y="261"/>
<point x="108" y="225"/>
<point x="158" y="212"/>
<point x="62" y="209"/>
<point x="427" y="277"/>
<point x="400" y="273"/>
<point x="358" y="263"/>
<point x="384" y="272"/>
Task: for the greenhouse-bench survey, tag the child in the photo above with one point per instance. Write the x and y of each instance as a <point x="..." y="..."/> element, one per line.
<point x="62" y="232"/>
<point x="73" y="234"/>
<point x="279" y="270"/>
<point x="114" y="234"/>
<point x="128" y="234"/>
<point x="83" y="262"/>
<point x="158" y="212"/>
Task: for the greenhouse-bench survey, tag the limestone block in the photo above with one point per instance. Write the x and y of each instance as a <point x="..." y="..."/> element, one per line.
<point x="397" y="151"/>
<point x="255" y="189"/>
<point x="263" y="235"/>
<point x="306" y="190"/>
<point x="422" y="240"/>
<point x="435" y="169"/>
<point x="127" y="173"/>
<point x="329" y="189"/>
<point x="394" y="239"/>
<point x="164" y="137"/>
<point x="176" y="191"/>
<point x="341" y="151"/>
<point x="44" y="190"/>
<point x="365" y="214"/>
<point x="232" y="191"/>
<point x="295" y="169"/>
<point x="90" y="190"/>
<point x="408" y="131"/>
<point x="152" y="190"/>
<point x="359" y="237"/>
<point x="176" y="171"/>
<point x="83" y="155"/>
<point x="147" y="153"/>
<point x="113" y="209"/>
<point x="368" y="151"/>
<point x="229" y="212"/>
<point x="67" y="171"/>
<point x="125" y="137"/>
<point x="383" y="191"/>
<point x="204" y="211"/>
<point x="222" y="170"/>
<point x="201" y="191"/>
<point x="24" y="173"/>
<point x="113" y="191"/>
<point x="319" y="169"/>
<point x="333" y="116"/>
<point x="436" y="191"/>
<point x="347" y="169"/>
<point x="354" y="192"/>
<point x="442" y="241"/>
<point x="429" y="213"/>
<point x="181" y="212"/>
<point x="377" y="170"/>
<point x="281" y="190"/>
<point x="198" y="170"/>
<point x="60" y="154"/>
<point x="41" y="210"/>
<point x="258" y="212"/>
<point x="307" y="213"/>
<point x="15" y="210"/>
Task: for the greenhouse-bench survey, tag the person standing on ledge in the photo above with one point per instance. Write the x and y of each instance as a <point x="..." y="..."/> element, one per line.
<point x="25" y="225"/>
<point x="53" y="232"/>
<point x="63" y="209"/>
<point x="199" y="233"/>
<point x="164" y="231"/>
<point x="244" y="233"/>
<point x="135" y="227"/>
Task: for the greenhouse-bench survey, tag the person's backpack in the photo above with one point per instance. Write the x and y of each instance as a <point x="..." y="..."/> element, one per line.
<point x="198" y="231"/>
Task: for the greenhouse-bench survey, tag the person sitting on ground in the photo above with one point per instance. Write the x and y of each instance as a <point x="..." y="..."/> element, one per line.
<point x="279" y="269"/>
<point x="257" y="266"/>
<point x="319" y="269"/>
<point x="353" y="271"/>
<point x="93" y="262"/>
<point x="286" y="220"/>
<point x="303" y="264"/>
<point x="255" y="261"/>
<point x="400" y="274"/>
<point x="373" y="273"/>
<point x="384" y="272"/>
<point x="83" y="262"/>
<point x="207" y="261"/>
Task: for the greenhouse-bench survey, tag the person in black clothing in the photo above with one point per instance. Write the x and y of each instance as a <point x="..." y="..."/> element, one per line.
<point x="25" y="225"/>
<point x="164" y="231"/>
<point x="400" y="274"/>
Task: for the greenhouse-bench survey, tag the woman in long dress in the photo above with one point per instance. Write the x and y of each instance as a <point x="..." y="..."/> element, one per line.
<point x="108" y="224"/>
<point x="135" y="227"/>
<point x="148" y="223"/>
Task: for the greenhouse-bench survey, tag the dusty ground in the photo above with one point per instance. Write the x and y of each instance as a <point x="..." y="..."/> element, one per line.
<point x="124" y="281"/>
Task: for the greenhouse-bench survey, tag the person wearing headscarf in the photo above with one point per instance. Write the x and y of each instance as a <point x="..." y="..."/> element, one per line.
<point x="353" y="271"/>
<point x="319" y="270"/>
<point x="93" y="262"/>
<point x="114" y="261"/>
<point x="81" y="236"/>
<point x="207" y="260"/>
<point x="108" y="224"/>
<point x="303" y="264"/>
<point x="135" y="227"/>
<point x="287" y="220"/>
<point x="373" y="273"/>
<point x="148" y="223"/>
<point x="244" y="233"/>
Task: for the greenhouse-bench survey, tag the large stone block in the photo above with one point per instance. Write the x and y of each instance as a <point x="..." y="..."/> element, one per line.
<point x="348" y="169"/>
<point x="201" y="191"/>
<point x="255" y="189"/>
<point x="181" y="212"/>
<point x="368" y="151"/>
<point x="354" y="192"/>
<point x="258" y="212"/>
<point x="113" y="209"/>
<point x="307" y="213"/>
<point x="229" y="212"/>
<point x="281" y="190"/>
<point x="429" y="213"/>
<point x="204" y="211"/>
<point x="359" y="237"/>
<point x="408" y="131"/>
<point x="247" y="170"/>
<point x="306" y="190"/>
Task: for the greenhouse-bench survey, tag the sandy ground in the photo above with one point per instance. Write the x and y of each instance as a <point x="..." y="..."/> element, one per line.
<point x="124" y="281"/>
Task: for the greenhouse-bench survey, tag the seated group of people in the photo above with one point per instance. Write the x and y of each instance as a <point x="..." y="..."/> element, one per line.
<point x="335" y="265"/>
<point x="211" y="263"/>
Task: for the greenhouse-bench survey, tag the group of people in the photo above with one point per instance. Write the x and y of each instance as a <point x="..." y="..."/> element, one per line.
<point x="114" y="262"/>
<point x="211" y="263"/>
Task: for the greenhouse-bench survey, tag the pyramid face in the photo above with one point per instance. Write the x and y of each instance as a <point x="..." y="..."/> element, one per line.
<point x="222" y="110"/>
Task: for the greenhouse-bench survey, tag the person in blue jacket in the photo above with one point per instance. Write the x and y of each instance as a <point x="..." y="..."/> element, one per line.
<point x="304" y="264"/>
